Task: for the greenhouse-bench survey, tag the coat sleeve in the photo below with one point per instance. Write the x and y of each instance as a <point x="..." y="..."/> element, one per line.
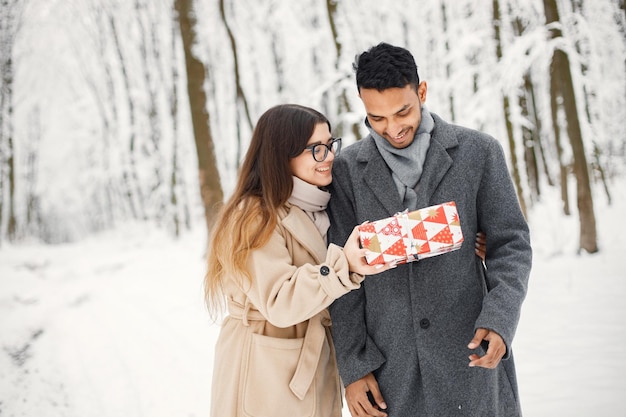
<point x="286" y="294"/>
<point x="509" y="255"/>
<point x="357" y="355"/>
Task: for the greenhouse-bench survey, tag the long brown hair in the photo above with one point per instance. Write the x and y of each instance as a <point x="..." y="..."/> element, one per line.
<point x="248" y="218"/>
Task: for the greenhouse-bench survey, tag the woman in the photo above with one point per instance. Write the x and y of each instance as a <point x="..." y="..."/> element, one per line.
<point x="268" y="258"/>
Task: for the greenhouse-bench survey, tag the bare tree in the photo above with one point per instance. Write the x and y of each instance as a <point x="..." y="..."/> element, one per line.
<point x="100" y="84"/>
<point x="10" y="21"/>
<point x="241" y="101"/>
<point x="531" y="138"/>
<point x="506" y="105"/>
<point x="209" y="178"/>
<point x="134" y="191"/>
<point x="33" y="209"/>
<point x="534" y="153"/>
<point x="150" y="68"/>
<point x="173" y="101"/>
<point x="343" y="102"/>
<point x="556" y="129"/>
<point x="563" y="86"/>
<point x="444" y="28"/>
<point x="583" y="50"/>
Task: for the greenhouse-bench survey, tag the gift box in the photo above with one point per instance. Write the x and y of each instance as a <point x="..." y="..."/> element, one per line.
<point x="411" y="236"/>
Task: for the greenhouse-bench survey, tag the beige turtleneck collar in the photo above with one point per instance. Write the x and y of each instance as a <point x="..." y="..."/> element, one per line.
<point x="313" y="202"/>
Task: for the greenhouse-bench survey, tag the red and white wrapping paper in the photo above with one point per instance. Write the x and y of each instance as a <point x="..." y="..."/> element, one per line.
<point x="411" y="236"/>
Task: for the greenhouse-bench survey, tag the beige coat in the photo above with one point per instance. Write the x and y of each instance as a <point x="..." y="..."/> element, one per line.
<point x="274" y="356"/>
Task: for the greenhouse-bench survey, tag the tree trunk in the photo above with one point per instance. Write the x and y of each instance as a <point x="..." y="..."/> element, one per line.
<point x="12" y="220"/>
<point x="131" y="178"/>
<point x="10" y="21"/>
<point x="589" y="94"/>
<point x="154" y="117"/>
<point x="344" y="103"/>
<point x="531" y="131"/>
<point x="537" y="137"/>
<point x="561" y="73"/>
<point x="209" y="178"/>
<point x="30" y="176"/>
<point x="4" y="151"/>
<point x="102" y="85"/>
<point x="530" y="144"/>
<point x="240" y="98"/>
<point x="554" y="110"/>
<point x="173" y="102"/>
<point x="506" y="104"/>
<point x="444" y="28"/>
<point x="535" y="150"/>
<point x="7" y="137"/>
<point x="599" y="167"/>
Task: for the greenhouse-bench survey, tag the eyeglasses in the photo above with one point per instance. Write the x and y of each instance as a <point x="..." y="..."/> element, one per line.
<point x="320" y="150"/>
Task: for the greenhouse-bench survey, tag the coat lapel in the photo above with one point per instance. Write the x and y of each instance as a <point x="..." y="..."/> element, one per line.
<point x="375" y="175"/>
<point x="437" y="162"/>
<point x="436" y="165"/>
<point x="304" y="231"/>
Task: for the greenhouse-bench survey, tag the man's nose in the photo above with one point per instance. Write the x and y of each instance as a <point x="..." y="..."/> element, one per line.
<point x="393" y="129"/>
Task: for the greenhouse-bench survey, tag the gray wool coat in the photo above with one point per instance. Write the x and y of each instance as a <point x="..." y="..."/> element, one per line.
<point x="411" y="325"/>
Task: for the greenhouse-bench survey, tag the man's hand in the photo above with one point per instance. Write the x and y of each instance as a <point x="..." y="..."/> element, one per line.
<point x="358" y="401"/>
<point x="495" y="351"/>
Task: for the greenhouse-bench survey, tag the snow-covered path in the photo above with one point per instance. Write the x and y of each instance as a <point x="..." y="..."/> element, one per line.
<point x="114" y="326"/>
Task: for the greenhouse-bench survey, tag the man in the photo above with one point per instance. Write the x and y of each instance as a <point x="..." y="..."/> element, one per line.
<point x="403" y="339"/>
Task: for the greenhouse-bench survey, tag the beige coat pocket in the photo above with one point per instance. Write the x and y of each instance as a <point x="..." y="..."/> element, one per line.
<point x="271" y="363"/>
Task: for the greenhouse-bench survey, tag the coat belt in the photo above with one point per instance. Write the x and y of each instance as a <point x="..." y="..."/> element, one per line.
<point x="311" y="347"/>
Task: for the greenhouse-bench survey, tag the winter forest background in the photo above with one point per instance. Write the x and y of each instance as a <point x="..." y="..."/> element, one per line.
<point x="122" y="123"/>
<point x="115" y="110"/>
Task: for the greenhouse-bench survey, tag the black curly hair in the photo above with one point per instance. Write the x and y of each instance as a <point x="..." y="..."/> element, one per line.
<point x="385" y="66"/>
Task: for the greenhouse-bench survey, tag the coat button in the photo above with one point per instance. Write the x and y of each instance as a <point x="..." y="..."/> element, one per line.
<point x="324" y="270"/>
<point x="424" y="323"/>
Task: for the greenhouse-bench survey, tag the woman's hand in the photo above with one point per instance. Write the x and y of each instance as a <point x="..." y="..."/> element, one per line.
<point x="356" y="257"/>
<point x="481" y="245"/>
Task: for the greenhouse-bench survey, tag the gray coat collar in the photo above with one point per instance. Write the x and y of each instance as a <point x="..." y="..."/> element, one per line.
<point x="437" y="163"/>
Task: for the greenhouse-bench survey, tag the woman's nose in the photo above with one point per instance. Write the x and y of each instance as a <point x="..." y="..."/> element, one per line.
<point x="330" y="156"/>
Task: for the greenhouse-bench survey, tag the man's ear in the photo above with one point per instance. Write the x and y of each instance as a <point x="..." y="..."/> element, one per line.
<point x="422" y="89"/>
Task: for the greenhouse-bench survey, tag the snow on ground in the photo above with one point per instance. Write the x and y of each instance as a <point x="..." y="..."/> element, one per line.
<point x="112" y="326"/>
<point x="115" y="326"/>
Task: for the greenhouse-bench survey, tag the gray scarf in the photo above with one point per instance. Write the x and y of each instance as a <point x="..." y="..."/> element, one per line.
<point x="406" y="164"/>
<point x="313" y="202"/>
